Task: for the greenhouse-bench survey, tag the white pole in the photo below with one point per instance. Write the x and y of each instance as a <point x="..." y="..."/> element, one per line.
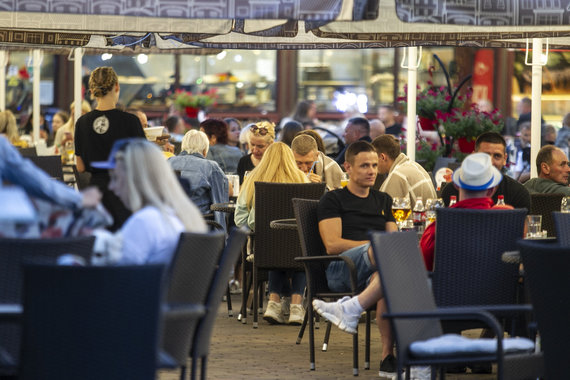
<point x="535" y="134"/>
<point x="3" y="64"/>
<point x="36" y="64"/>
<point x="412" y="93"/>
<point x="77" y="76"/>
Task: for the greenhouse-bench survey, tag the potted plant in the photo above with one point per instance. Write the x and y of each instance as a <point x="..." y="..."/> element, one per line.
<point x="192" y="103"/>
<point x="465" y="126"/>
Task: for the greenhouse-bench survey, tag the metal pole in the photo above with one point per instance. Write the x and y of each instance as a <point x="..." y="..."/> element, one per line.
<point x="412" y="93"/>
<point x="77" y="81"/>
<point x="36" y="64"/>
<point x="535" y="135"/>
<point x="3" y="64"/>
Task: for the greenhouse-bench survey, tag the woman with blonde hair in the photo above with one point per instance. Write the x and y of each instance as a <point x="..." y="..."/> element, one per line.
<point x="95" y="133"/>
<point x="277" y="165"/>
<point x="65" y="133"/>
<point x="143" y="180"/>
<point x="9" y="127"/>
<point x="261" y="136"/>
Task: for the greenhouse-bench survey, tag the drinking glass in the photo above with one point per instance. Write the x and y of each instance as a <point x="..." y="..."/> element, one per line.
<point x="534" y="226"/>
<point x="344" y="180"/>
<point x="565" y="205"/>
<point x="401" y="210"/>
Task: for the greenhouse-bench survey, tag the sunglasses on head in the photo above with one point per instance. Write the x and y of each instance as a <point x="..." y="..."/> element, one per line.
<point x="259" y="130"/>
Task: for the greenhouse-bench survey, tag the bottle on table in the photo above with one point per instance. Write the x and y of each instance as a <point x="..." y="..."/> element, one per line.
<point x="501" y="200"/>
<point x="452" y="200"/>
<point x="419" y="215"/>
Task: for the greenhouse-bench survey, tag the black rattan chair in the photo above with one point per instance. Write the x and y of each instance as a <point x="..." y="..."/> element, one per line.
<point x="190" y="277"/>
<point x="562" y="224"/>
<point x="91" y="322"/>
<point x="201" y="341"/>
<point x="13" y="254"/>
<point x="414" y="316"/>
<point x="49" y="164"/>
<point x="468" y="269"/>
<point x="315" y="261"/>
<point x="546" y="268"/>
<point x="545" y="204"/>
<point x="276" y="249"/>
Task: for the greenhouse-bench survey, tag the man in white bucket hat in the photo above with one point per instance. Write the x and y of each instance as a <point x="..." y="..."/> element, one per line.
<point x="477" y="180"/>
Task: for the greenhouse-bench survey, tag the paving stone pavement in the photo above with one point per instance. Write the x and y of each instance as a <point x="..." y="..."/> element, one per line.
<point x="238" y="351"/>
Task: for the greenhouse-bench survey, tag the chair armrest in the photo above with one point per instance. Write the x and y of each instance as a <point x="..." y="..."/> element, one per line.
<point x="183" y="311"/>
<point x="453" y="313"/>
<point x="329" y="258"/>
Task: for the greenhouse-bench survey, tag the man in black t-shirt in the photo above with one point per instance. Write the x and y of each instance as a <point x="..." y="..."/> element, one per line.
<point x="345" y="216"/>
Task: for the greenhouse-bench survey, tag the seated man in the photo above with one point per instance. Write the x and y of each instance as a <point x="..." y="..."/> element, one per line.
<point x="345" y="216"/>
<point x="405" y="177"/>
<point x="317" y="166"/>
<point x="514" y="192"/>
<point x="477" y="180"/>
<point x="553" y="171"/>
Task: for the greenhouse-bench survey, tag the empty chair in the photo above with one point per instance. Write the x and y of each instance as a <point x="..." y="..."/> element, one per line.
<point x="201" y="340"/>
<point x="49" y="164"/>
<point x="190" y="276"/>
<point x="416" y="321"/>
<point x="91" y="322"/>
<point x="546" y="268"/>
<point x="315" y="261"/>
<point x="13" y="254"/>
<point x="545" y="204"/>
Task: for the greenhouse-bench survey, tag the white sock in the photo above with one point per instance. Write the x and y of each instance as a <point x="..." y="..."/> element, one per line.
<point x="352" y="306"/>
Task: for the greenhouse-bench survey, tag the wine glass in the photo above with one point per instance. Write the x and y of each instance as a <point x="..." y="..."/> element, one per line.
<point x="565" y="205"/>
<point x="401" y="210"/>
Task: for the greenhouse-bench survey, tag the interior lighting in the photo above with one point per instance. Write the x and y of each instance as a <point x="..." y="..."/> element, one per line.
<point x="142" y="58"/>
<point x="106" y="56"/>
<point x="221" y="55"/>
<point x="238" y="58"/>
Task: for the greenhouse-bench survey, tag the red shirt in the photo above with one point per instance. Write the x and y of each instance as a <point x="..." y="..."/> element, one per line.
<point x="427" y="242"/>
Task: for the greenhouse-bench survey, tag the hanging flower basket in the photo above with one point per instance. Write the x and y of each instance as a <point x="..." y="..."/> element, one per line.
<point x="192" y="112"/>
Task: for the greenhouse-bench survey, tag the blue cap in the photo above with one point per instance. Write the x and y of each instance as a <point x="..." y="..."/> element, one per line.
<point x="119" y="145"/>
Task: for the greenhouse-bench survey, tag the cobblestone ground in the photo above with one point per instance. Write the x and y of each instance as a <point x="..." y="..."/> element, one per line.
<point x="269" y="352"/>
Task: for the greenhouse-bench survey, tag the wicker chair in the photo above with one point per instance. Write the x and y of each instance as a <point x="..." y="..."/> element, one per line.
<point x="414" y="316"/>
<point x="468" y="269"/>
<point x="190" y="278"/>
<point x="49" y="164"/>
<point x="562" y="224"/>
<point x="201" y="340"/>
<point x="545" y="204"/>
<point x="91" y="322"/>
<point x="315" y="261"/>
<point x="546" y="267"/>
<point x="13" y="254"/>
<point x="276" y="249"/>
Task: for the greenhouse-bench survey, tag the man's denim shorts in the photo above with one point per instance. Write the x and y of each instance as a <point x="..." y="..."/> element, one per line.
<point x="338" y="277"/>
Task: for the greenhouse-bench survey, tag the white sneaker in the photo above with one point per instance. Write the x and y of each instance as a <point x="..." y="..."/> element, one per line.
<point x="273" y="313"/>
<point x="335" y="313"/>
<point x="420" y="373"/>
<point x="296" y="315"/>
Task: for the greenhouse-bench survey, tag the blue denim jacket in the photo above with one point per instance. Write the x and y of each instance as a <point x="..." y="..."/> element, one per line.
<point x="226" y="156"/>
<point x="208" y="183"/>
<point x="22" y="172"/>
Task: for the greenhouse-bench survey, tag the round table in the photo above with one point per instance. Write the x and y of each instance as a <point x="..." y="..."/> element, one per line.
<point x="227" y="207"/>
<point x="284" y="224"/>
